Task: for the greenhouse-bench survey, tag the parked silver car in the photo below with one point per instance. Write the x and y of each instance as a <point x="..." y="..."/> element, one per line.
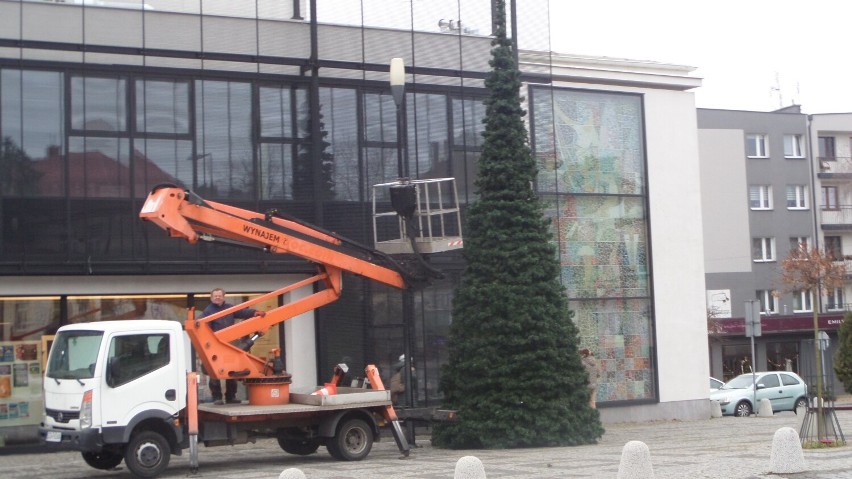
<point x="715" y="384"/>
<point x="786" y="391"/>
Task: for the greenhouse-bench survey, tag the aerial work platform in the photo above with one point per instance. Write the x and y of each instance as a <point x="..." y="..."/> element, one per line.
<point x="421" y="214"/>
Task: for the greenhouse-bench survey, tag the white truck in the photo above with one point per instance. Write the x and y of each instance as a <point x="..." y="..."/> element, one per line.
<point x="124" y="390"/>
<point x="118" y="390"/>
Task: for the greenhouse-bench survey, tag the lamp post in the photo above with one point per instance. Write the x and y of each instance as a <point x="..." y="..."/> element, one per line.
<point x="397" y="84"/>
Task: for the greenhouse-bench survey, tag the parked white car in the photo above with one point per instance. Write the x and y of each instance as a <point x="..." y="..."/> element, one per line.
<point x="786" y="391"/>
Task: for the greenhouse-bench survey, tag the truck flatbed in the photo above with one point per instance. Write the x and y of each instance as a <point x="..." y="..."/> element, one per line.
<point x="304" y="403"/>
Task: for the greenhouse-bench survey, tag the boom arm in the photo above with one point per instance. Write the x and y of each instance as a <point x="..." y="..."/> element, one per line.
<point x="185" y="215"/>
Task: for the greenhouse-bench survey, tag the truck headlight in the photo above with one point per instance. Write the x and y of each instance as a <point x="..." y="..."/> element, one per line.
<point x="86" y="410"/>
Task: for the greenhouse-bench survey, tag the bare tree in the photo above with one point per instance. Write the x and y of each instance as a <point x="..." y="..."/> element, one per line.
<point x="813" y="270"/>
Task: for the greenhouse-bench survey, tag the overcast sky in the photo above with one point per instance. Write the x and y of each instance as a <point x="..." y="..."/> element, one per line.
<point x="743" y="49"/>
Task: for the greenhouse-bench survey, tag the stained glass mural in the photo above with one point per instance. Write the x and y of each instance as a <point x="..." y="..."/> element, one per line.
<point x="589" y="146"/>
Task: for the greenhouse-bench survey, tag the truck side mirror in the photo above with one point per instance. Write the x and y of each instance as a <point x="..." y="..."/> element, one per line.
<point x="113" y="371"/>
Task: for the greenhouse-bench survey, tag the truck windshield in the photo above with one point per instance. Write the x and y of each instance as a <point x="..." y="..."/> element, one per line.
<point x="73" y="355"/>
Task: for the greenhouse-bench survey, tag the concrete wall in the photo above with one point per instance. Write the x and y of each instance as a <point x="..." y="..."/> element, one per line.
<point x="691" y="410"/>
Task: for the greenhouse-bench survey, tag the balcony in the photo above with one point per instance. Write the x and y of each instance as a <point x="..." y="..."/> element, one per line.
<point x="836" y="219"/>
<point x="835" y="167"/>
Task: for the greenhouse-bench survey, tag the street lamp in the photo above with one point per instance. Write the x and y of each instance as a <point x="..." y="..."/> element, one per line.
<point x="397" y="84"/>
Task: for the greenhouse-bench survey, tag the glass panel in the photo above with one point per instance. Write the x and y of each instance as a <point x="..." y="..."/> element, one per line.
<point x="28" y="318"/>
<point x="599" y="141"/>
<point x="27" y="235"/>
<point x="338" y="107"/>
<point x="277" y="106"/>
<point x="736" y="360"/>
<point x="224" y="140"/>
<point x="465" y="169"/>
<point x="467" y="122"/>
<point x="826" y="148"/>
<point x="379" y="118"/>
<point x="83" y="309"/>
<point x="380" y="167"/>
<point x="102" y="229"/>
<point x="276" y="171"/>
<point x="32" y="133"/>
<point x="782" y="356"/>
<point x="602" y="246"/>
<point x="162" y="106"/>
<point x="99" y="167"/>
<point x="161" y="161"/>
<point x="98" y="104"/>
<point x="428" y="141"/>
<point x="433" y="309"/>
<point x="618" y="332"/>
<point x="408" y="15"/>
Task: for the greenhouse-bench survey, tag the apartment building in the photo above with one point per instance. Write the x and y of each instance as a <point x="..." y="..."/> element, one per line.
<point x="761" y="198"/>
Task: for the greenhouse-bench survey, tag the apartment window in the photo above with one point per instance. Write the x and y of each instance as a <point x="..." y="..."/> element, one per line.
<point x="760" y="197"/>
<point x="763" y="249"/>
<point x="793" y="146"/>
<point x="825" y="145"/>
<point x="756" y="146"/>
<point x="797" y="197"/>
<point x="802" y="302"/>
<point x="834" y="299"/>
<point x="799" y="243"/>
<point x="829" y="198"/>
<point x="834" y="247"/>
<point x="768" y="304"/>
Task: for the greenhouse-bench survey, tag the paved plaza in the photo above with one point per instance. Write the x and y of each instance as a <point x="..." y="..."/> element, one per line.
<point x="730" y="448"/>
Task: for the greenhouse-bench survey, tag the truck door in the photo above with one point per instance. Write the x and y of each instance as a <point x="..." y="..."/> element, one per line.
<point x="142" y="374"/>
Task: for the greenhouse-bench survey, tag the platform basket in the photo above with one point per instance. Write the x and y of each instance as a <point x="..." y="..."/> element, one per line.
<point x="436" y="218"/>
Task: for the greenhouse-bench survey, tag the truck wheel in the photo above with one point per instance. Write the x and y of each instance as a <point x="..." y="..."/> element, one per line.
<point x="353" y="441"/>
<point x="299" y="447"/>
<point x="102" y="460"/>
<point x="147" y="454"/>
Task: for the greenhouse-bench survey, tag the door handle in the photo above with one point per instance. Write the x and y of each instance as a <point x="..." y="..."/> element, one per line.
<point x="171" y="395"/>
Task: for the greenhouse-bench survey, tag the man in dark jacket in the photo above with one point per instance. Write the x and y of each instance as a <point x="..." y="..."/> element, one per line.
<point x="217" y="304"/>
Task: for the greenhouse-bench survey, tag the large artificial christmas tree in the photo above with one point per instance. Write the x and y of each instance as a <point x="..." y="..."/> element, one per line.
<point x="514" y="374"/>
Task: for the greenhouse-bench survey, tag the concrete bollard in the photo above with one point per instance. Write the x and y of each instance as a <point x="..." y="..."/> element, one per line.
<point x="469" y="467"/>
<point x="635" y="462"/>
<point x="292" y="473"/>
<point x="715" y="409"/>
<point x="787" y="456"/>
<point x="765" y="409"/>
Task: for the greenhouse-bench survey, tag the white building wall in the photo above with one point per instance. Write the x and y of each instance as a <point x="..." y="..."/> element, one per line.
<point x="677" y="242"/>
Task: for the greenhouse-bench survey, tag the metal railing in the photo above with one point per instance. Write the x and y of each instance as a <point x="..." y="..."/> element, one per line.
<point x="835" y="164"/>
<point x="841" y="215"/>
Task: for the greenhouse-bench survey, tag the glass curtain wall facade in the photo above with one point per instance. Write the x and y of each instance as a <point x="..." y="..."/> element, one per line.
<point x="223" y="99"/>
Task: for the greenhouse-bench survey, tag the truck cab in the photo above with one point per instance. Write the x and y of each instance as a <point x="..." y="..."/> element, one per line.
<point x="107" y="381"/>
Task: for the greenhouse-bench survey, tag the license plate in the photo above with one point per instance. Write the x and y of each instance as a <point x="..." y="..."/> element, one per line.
<point x="54" y="436"/>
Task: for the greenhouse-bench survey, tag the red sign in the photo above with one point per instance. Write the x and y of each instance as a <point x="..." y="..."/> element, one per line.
<point x="778" y="324"/>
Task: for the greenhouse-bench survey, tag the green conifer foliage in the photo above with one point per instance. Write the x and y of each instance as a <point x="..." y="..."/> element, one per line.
<point x="843" y="355"/>
<point x="514" y="373"/>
